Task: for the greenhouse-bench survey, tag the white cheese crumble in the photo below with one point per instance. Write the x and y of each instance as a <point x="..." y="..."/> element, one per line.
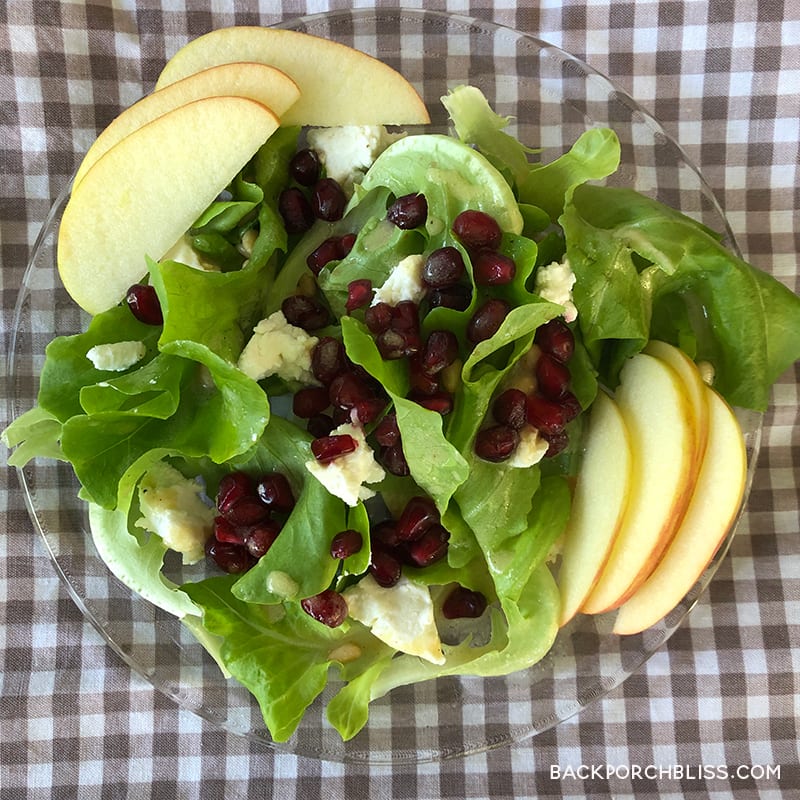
<point x="184" y="253"/>
<point x="404" y="282"/>
<point x="554" y="283"/>
<point x="530" y="450"/>
<point x="522" y="375"/>
<point x="116" y="356"/>
<point x="400" y="615"/>
<point x="278" y="348"/>
<point x="344" y="476"/>
<point x="348" y="151"/>
<point x="172" y="507"/>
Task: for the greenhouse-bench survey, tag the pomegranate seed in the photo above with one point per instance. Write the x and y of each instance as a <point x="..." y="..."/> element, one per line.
<point x="557" y="442"/>
<point x="419" y="514"/>
<point x="305" y="312"/>
<point x="552" y="377"/>
<point x="275" y="492"/>
<point x="144" y="304"/>
<point x="295" y="210"/>
<point x="457" y="297"/>
<point x="409" y="211"/>
<point x="387" y="433"/>
<point x="225" y="531"/>
<point x="385" y="533"/>
<point x="443" y="267"/>
<point x="304" y="167"/>
<point x="463" y="603"/>
<point x="261" y="537"/>
<point x="486" y="321"/>
<point x="231" y="558"/>
<point x="368" y="411"/>
<point x="346" y="543"/>
<point x="392" y="345"/>
<point x="246" y="511"/>
<point x="421" y="382"/>
<point x="440" y="351"/>
<point x="232" y="487"/>
<point x="328" y="200"/>
<point x="570" y="405"/>
<point x="359" y="293"/>
<point x="348" y="389"/>
<point x="405" y="317"/>
<point x="493" y="269"/>
<point x="378" y="317"/>
<point x="329" y="250"/>
<point x="440" y="402"/>
<point x="496" y="443"/>
<point x="320" y="425"/>
<point x="384" y="568"/>
<point x="394" y="460"/>
<point x="547" y="416"/>
<point x="346" y="243"/>
<point x="328" y="360"/>
<point x="477" y="229"/>
<point x="330" y="447"/>
<point x="430" y="547"/>
<point x="510" y="408"/>
<point x="327" y="607"/>
<point x="555" y="338"/>
<point x="310" y="401"/>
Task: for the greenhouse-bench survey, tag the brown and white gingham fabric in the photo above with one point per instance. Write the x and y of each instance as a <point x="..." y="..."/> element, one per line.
<point x="75" y="722"/>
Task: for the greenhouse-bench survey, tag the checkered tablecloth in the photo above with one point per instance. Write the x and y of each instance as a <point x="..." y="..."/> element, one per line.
<point x="75" y="722"/>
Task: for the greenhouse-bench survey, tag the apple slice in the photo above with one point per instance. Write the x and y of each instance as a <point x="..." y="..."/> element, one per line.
<point x="659" y="418"/>
<point x="266" y="85"/>
<point x="713" y="507"/>
<point x="598" y="504"/>
<point x="338" y="84"/>
<point x="148" y="189"/>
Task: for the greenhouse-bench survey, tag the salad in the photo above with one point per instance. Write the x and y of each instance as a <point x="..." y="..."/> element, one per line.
<point x="357" y="392"/>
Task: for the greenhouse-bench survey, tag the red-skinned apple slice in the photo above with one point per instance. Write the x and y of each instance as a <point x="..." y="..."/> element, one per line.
<point x="598" y="504"/>
<point x="660" y="420"/>
<point x="266" y="85"/>
<point x="713" y="507"/>
<point x="148" y="189"/>
<point x="338" y="84"/>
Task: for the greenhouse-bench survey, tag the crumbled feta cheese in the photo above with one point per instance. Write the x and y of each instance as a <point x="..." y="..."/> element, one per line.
<point x="344" y="476"/>
<point x="522" y="375"/>
<point x="404" y="283"/>
<point x="400" y="615"/>
<point x="348" y="151"/>
<point x="172" y="507"/>
<point x="278" y="348"/>
<point x="554" y="283"/>
<point x="530" y="450"/>
<point x="184" y="253"/>
<point x="116" y="356"/>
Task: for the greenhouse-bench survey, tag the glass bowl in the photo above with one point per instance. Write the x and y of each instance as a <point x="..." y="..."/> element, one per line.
<point x="552" y="98"/>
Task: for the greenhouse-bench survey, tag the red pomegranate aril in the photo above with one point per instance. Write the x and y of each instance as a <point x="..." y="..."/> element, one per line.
<point x="348" y="389"/>
<point x="384" y="568"/>
<point x="328" y="607"/>
<point x="328" y="200"/>
<point x="275" y="492"/>
<point x="346" y="543"/>
<point x="557" y="442"/>
<point x="476" y="229"/>
<point x="305" y="312"/>
<point x="555" y="338"/>
<point x="486" y="321"/>
<point x="378" y="317"/>
<point x="144" y="304"/>
<point x="226" y="531"/>
<point x="328" y="360"/>
<point x="304" y="167"/>
<point x="261" y="537"/>
<point x="570" y="405"/>
<point x="233" y="487"/>
<point x="405" y="317"/>
<point x="367" y="411"/>
<point x="430" y="547"/>
<point x="346" y="243"/>
<point x="552" y="377"/>
<point x="329" y="250"/>
<point x="510" y="408"/>
<point x="329" y="448"/>
<point x="408" y="212"/>
<point x="496" y="443"/>
<point x="320" y="425"/>
<point x="458" y="297"/>
<point x="359" y="293"/>
<point x="231" y="558"/>
<point x="386" y="432"/>
<point x="548" y="416"/>
<point x="440" y="351"/>
<point x="295" y="210"/>
<point x="440" y="402"/>
<point x="246" y="511"/>
<point x="443" y="267"/>
<point x="385" y="533"/>
<point x="419" y="514"/>
<point x="420" y="381"/>
<point x="493" y="269"/>
<point x="394" y="460"/>
<point x="310" y="401"/>
<point x="392" y="344"/>
<point x="463" y="603"/>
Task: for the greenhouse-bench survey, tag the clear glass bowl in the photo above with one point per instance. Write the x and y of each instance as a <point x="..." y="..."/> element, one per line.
<point x="552" y="98"/>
